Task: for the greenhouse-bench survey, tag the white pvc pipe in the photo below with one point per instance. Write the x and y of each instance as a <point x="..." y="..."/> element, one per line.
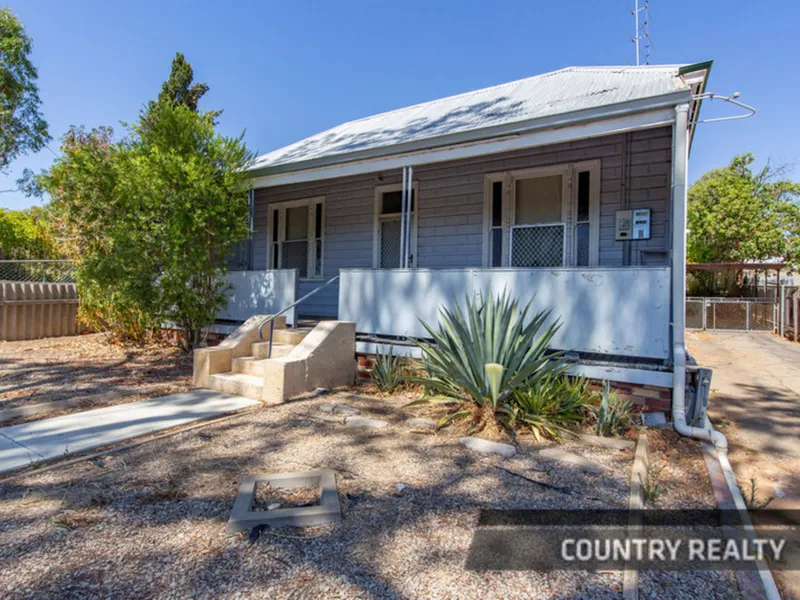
<point x="680" y="155"/>
<point x="403" y="219"/>
<point x="409" y="195"/>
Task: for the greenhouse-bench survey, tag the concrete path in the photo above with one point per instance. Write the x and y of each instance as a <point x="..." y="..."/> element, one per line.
<point x="22" y="445"/>
<point x="756" y="385"/>
<point x="755" y="399"/>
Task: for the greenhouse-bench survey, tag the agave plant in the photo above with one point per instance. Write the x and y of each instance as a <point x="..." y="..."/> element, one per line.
<point x="613" y="415"/>
<point x="481" y="353"/>
<point x="387" y="371"/>
<point x="549" y="405"/>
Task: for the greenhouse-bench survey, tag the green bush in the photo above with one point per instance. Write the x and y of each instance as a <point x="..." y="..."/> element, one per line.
<point x="388" y="371"/>
<point x="482" y="353"/>
<point x="549" y="405"/>
<point x="613" y="415"/>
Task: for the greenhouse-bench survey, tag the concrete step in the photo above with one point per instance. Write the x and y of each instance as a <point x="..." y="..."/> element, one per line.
<point x="249" y="365"/>
<point x="260" y="349"/>
<point x="290" y="336"/>
<point x="238" y="384"/>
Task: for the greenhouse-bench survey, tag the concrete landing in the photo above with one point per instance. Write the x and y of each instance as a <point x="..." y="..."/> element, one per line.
<point x="22" y="445"/>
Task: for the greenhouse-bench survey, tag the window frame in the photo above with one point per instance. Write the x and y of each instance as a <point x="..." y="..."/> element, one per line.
<point x="569" y="209"/>
<point x="380" y="190"/>
<point x="280" y="207"/>
<point x="593" y="167"/>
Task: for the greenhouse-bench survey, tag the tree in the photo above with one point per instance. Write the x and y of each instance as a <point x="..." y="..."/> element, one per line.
<point x="154" y="216"/>
<point x="25" y="234"/>
<point x="736" y="214"/>
<point x="22" y="127"/>
<point x="179" y="90"/>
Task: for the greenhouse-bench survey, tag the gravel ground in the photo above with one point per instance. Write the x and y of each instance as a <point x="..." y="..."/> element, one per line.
<point x="52" y="369"/>
<point x="150" y="522"/>
<point x="685" y="480"/>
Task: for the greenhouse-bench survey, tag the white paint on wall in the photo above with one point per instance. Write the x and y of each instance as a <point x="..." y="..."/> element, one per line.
<point x="260" y="293"/>
<point x="621" y="311"/>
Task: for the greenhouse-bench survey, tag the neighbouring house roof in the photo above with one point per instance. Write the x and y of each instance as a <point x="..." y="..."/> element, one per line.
<point x="500" y="110"/>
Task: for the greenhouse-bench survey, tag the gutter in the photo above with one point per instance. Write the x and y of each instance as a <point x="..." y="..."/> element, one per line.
<point x="680" y="156"/>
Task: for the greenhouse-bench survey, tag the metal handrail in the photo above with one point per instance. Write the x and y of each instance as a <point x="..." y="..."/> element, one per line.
<point x="271" y="318"/>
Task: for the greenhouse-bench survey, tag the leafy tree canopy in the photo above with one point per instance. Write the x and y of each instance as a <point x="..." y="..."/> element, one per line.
<point x="736" y="214"/>
<point x="25" y="234"/>
<point x="22" y="127"/>
<point x="153" y="216"/>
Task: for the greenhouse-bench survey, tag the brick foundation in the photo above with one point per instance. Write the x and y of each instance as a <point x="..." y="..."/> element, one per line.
<point x="172" y="336"/>
<point x="645" y="398"/>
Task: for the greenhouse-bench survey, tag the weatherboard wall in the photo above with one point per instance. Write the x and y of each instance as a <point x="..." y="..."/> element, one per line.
<point x="451" y="207"/>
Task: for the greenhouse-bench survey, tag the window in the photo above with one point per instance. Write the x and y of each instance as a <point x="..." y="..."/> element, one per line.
<point x="388" y="227"/>
<point x="497" y="224"/>
<point x="582" y="223"/>
<point x="297" y="234"/>
<point x="543" y="217"/>
<point x="538" y="231"/>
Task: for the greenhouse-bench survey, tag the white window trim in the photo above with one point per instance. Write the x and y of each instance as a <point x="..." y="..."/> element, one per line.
<point x="312" y="246"/>
<point x="377" y="217"/>
<point x="593" y="166"/>
<point x="569" y="173"/>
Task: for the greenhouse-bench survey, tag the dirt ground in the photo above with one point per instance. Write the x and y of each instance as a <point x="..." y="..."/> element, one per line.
<point x="151" y="521"/>
<point x="755" y="403"/>
<point x="33" y="372"/>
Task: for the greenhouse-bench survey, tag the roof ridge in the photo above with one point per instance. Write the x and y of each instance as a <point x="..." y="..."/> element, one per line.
<point x="501" y="85"/>
<point x="461" y="95"/>
<point x="526" y="97"/>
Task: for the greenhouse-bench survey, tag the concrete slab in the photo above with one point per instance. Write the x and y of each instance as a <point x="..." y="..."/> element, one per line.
<point x="244" y="518"/>
<point x="341" y="409"/>
<point x="14" y="453"/>
<point x="488" y="447"/>
<point x="568" y="458"/>
<point x="364" y="422"/>
<point x="421" y="423"/>
<point x="70" y="434"/>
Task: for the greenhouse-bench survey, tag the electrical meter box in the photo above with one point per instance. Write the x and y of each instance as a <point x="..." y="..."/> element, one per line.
<point x="633" y="224"/>
<point x="641" y="224"/>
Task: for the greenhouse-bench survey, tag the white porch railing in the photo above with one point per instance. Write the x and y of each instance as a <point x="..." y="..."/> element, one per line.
<point x="623" y="311"/>
<point x="260" y="293"/>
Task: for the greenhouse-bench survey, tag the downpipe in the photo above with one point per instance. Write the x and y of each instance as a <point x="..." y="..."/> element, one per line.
<point x="680" y="159"/>
<point x="707" y="433"/>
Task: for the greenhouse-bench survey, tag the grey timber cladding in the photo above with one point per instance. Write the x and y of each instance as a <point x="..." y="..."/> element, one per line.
<point x="635" y="173"/>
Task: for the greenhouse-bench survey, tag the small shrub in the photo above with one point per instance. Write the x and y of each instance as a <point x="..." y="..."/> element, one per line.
<point x="651" y="490"/>
<point x="388" y="371"/>
<point x="549" y="405"/>
<point x="613" y="415"/>
<point x="750" y="497"/>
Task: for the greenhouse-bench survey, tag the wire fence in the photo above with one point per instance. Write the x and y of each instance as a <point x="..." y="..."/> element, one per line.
<point x="45" y="271"/>
<point x="731" y="314"/>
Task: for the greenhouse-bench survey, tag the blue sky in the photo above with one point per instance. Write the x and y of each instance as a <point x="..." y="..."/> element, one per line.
<point x="285" y="70"/>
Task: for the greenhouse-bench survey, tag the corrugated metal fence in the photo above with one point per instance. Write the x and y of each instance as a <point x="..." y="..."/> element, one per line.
<point x="37" y="299"/>
<point x="36" y="310"/>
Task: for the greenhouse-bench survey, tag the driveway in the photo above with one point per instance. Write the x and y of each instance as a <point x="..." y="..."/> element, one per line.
<point x="756" y="386"/>
<point x="755" y="402"/>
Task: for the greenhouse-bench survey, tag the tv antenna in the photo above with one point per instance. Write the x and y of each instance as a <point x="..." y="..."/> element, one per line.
<point x="641" y="15"/>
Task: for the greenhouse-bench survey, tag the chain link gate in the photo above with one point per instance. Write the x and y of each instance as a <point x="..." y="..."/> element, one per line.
<point x="731" y="314"/>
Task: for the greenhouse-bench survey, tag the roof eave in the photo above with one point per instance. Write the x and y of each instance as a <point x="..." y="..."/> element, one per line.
<point x="552" y="122"/>
<point x="694" y="114"/>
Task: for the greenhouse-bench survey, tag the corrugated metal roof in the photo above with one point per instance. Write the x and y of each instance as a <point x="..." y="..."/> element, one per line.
<point x="564" y="91"/>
